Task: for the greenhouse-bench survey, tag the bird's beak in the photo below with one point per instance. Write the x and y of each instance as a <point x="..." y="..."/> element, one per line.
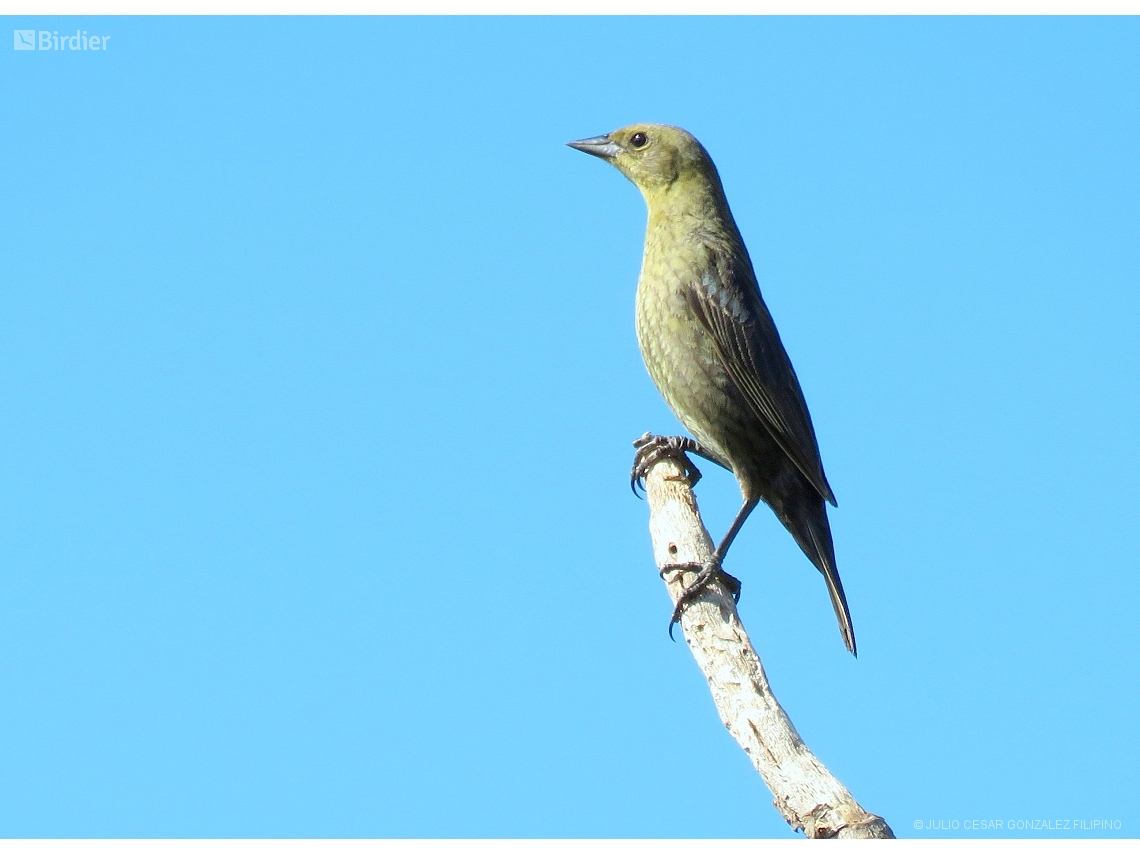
<point x="602" y="147"/>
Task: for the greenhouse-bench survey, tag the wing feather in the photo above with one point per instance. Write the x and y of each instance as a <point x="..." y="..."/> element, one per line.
<point x="727" y="303"/>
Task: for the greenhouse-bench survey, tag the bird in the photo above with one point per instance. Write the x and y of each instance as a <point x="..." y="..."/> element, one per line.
<point x="712" y="349"/>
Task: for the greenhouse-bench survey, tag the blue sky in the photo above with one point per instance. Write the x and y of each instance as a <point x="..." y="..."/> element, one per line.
<point x="319" y="380"/>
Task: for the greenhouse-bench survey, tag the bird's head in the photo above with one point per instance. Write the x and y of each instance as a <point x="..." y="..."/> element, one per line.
<point x="654" y="157"/>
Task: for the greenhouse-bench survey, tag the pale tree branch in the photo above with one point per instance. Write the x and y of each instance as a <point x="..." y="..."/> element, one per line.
<point x="806" y="793"/>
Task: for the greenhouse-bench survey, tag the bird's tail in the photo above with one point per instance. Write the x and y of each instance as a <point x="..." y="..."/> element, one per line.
<point x="807" y="521"/>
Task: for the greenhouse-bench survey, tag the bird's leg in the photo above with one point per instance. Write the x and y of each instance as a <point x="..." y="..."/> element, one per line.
<point x="709" y="569"/>
<point x="652" y="448"/>
<point x="733" y="530"/>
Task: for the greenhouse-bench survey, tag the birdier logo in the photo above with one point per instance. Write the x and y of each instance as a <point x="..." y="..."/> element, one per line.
<point x="52" y="40"/>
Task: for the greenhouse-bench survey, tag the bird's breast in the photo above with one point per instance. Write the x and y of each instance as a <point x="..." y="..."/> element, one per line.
<point x="678" y="351"/>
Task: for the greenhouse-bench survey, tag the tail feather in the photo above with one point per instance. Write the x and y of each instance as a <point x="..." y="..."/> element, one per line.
<point x="807" y="522"/>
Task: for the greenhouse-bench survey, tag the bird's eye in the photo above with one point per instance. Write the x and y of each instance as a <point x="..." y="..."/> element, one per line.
<point x="639" y="140"/>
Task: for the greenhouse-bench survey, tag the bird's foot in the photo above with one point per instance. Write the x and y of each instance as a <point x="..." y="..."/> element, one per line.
<point x="652" y="448"/>
<point x="706" y="571"/>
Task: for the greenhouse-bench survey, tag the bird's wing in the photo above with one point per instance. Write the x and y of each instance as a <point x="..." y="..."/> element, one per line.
<point x="726" y="301"/>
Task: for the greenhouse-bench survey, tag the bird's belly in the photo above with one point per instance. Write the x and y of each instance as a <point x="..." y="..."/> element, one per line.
<point x="688" y="371"/>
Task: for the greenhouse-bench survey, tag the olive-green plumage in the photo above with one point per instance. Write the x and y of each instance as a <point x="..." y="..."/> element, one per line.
<point x="711" y="346"/>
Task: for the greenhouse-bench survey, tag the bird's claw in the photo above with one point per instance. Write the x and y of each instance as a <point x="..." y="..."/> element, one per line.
<point x="652" y="448"/>
<point x="706" y="571"/>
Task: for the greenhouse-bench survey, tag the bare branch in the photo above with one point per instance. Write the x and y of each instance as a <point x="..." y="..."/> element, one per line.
<point x="808" y="796"/>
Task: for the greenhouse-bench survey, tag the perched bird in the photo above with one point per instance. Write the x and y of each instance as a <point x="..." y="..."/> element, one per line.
<point x="712" y="348"/>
